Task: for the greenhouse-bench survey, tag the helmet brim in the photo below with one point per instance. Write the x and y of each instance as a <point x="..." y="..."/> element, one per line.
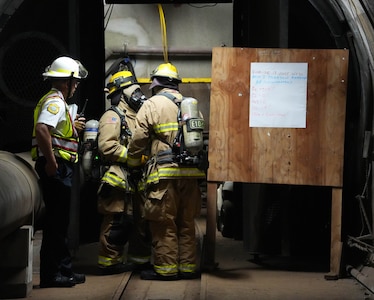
<point x="165" y="82"/>
<point x="155" y="82"/>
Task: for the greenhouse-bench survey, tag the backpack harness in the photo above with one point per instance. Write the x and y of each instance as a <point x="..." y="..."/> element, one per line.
<point x="179" y="152"/>
<point x="98" y="165"/>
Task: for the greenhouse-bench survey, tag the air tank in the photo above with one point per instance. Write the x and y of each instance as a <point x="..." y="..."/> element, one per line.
<point x="91" y="130"/>
<point x="89" y="137"/>
<point x="21" y="200"/>
<point x="194" y="125"/>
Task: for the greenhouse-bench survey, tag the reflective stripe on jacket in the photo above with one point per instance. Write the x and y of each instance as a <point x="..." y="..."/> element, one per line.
<point x="156" y="128"/>
<point x="173" y="172"/>
<point x="65" y="145"/>
<point x="111" y="178"/>
<point x="112" y="149"/>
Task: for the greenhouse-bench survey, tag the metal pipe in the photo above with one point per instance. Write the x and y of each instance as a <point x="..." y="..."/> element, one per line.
<point x="361" y="277"/>
<point x="157" y="51"/>
<point x="20" y="195"/>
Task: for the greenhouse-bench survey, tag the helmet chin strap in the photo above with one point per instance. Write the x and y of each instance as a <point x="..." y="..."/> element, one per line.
<point x="115" y="98"/>
<point x="70" y="83"/>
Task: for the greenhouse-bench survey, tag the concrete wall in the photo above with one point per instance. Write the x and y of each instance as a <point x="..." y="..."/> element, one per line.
<point x="198" y="26"/>
<point x="191" y="30"/>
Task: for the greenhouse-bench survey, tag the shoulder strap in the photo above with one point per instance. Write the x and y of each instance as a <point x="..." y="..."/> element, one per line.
<point x="178" y="140"/>
<point x="171" y="97"/>
<point x="125" y="130"/>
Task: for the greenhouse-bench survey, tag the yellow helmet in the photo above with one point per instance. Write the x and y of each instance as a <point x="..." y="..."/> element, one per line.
<point x="65" y="67"/>
<point x="120" y="80"/>
<point x="166" y="70"/>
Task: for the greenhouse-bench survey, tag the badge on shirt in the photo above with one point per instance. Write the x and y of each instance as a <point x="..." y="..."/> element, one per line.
<point x="53" y="108"/>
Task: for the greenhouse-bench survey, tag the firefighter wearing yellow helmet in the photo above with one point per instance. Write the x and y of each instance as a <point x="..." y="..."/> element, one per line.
<point x="172" y="190"/>
<point x="55" y="151"/>
<point x="119" y="201"/>
<point x="165" y="75"/>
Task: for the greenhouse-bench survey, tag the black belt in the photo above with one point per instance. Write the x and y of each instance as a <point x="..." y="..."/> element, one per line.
<point x="165" y="157"/>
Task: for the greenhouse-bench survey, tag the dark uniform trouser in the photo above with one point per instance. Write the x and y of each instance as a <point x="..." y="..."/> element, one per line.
<point x="55" y="258"/>
<point x="172" y="224"/>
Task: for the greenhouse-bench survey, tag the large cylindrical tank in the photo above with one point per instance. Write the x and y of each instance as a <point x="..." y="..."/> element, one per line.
<point x="194" y="125"/>
<point x="21" y="200"/>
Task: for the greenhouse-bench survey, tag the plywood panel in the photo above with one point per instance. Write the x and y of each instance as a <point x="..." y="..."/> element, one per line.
<point x="308" y="156"/>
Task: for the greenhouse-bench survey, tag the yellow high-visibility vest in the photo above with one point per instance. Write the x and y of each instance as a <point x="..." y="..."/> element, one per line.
<point x="64" y="145"/>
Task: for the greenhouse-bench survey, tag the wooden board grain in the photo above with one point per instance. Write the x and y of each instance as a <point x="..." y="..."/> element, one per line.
<point x="306" y="156"/>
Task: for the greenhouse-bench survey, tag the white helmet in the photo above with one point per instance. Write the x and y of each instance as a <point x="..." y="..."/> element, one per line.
<point x="65" y="67"/>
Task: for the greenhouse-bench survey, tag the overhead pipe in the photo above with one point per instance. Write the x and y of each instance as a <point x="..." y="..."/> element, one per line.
<point x="21" y="200"/>
<point x="115" y="52"/>
<point x="156" y="51"/>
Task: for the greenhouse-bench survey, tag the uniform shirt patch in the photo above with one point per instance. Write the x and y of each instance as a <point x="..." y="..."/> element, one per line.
<point x="53" y="108"/>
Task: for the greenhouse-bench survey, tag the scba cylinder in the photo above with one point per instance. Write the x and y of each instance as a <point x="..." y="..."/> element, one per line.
<point x="89" y="137"/>
<point x="92" y="128"/>
<point x="193" y="125"/>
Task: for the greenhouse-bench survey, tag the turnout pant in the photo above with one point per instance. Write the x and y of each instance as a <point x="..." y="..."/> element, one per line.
<point x="171" y="208"/>
<point x="116" y="226"/>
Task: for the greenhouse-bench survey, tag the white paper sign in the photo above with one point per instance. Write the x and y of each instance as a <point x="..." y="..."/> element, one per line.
<point x="278" y="94"/>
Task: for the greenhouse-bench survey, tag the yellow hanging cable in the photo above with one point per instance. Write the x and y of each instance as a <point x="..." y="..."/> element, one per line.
<point x="163" y="33"/>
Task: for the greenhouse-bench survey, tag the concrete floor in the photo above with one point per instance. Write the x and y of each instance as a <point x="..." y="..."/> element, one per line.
<point x="235" y="278"/>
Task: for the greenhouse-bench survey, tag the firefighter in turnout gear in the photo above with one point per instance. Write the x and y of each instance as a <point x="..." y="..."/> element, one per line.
<point x="55" y="152"/>
<point x="172" y="190"/>
<point x="119" y="200"/>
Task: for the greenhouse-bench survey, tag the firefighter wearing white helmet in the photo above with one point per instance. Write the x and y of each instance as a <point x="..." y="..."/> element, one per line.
<point x="65" y="67"/>
<point x="55" y="150"/>
<point x="119" y="201"/>
<point x="172" y="190"/>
